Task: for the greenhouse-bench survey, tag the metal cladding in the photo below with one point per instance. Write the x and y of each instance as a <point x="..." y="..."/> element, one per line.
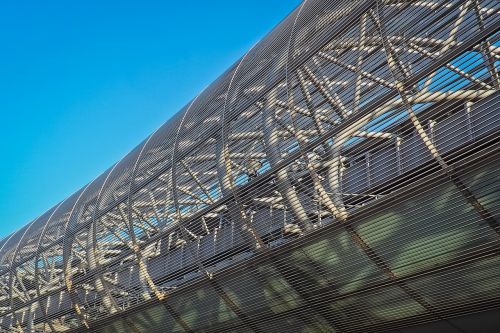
<point x="341" y="177"/>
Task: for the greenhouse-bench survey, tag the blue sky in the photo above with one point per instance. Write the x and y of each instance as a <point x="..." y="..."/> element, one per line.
<point x="83" y="82"/>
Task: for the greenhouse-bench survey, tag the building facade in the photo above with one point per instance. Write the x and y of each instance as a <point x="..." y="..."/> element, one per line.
<point x="342" y="176"/>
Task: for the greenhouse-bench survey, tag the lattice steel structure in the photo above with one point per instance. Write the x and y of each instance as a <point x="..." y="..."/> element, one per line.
<point x="342" y="176"/>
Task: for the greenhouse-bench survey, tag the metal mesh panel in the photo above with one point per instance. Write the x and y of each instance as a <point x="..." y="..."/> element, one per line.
<point x="340" y="177"/>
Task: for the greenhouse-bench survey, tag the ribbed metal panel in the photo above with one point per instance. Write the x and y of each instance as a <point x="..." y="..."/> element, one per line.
<point x="342" y="176"/>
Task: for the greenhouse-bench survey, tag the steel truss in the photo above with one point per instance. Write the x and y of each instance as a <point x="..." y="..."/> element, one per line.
<point x="342" y="105"/>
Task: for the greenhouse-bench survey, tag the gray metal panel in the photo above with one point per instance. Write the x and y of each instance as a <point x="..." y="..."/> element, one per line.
<point x="339" y="107"/>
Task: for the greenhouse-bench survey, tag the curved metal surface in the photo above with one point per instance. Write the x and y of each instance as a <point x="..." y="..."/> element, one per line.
<point x="341" y="106"/>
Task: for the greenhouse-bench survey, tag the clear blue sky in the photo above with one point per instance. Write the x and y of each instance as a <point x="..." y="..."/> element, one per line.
<point x="83" y="82"/>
